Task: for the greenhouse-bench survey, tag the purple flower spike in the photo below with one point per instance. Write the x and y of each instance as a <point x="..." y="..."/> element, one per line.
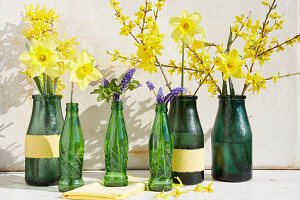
<point x="127" y="78"/>
<point x="106" y="83"/>
<point x="173" y="93"/>
<point x="140" y="85"/>
<point x="160" y="96"/>
<point x="117" y="96"/>
<point x="150" y="85"/>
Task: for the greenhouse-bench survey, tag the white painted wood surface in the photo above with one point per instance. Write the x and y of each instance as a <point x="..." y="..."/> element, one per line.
<point x="265" y="185"/>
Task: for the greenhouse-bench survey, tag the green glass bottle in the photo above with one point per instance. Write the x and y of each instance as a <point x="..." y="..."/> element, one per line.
<point x="71" y="151"/>
<point x="160" y="151"/>
<point x="116" y="148"/>
<point x="232" y="141"/>
<point x="188" y="154"/>
<point x="42" y="141"/>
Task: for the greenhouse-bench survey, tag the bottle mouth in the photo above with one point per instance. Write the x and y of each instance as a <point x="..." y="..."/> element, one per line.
<point x="186" y="97"/>
<point x="39" y="97"/>
<point x="232" y="97"/>
<point x="117" y="105"/>
<point x="72" y="106"/>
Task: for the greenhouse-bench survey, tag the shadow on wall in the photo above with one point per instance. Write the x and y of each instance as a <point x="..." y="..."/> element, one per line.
<point x="14" y="87"/>
<point x="94" y="122"/>
<point x="9" y="162"/>
<point x="14" y="90"/>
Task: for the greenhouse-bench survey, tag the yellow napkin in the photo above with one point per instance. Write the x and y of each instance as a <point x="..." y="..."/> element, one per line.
<point x="98" y="191"/>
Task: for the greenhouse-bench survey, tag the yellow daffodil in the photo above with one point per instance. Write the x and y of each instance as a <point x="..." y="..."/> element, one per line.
<point x="186" y="26"/>
<point x="82" y="69"/>
<point x="42" y="58"/>
<point x="230" y="65"/>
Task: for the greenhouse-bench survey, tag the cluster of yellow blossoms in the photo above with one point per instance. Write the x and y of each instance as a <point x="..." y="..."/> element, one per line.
<point x="41" y="27"/>
<point x="177" y="192"/>
<point x="258" y="47"/>
<point x="144" y="30"/>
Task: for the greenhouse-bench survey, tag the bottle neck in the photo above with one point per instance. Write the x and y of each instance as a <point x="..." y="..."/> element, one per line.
<point x="161" y="107"/>
<point x="72" y="108"/>
<point x="117" y="106"/>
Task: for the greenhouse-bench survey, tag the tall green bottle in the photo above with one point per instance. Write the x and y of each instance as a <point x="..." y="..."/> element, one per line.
<point x="188" y="154"/>
<point x="116" y="148"/>
<point x="160" y="151"/>
<point x="71" y="151"/>
<point x="42" y="141"/>
<point x="232" y="141"/>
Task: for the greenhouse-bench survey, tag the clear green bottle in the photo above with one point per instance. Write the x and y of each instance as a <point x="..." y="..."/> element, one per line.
<point x="41" y="141"/>
<point x="116" y="148"/>
<point x="232" y="141"/>
<point x="160" y="152"/>
<point x="71" y="151"/>
<point x="188" y="154"/>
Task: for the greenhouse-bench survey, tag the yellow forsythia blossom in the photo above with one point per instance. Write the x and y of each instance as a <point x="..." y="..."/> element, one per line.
<point x="257" y="82"/>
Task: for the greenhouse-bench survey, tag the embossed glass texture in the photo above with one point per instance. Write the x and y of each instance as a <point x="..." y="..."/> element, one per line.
<point x="71" y="151"/>
<point x="116" y="148"/>
<point x="160" y="152"/>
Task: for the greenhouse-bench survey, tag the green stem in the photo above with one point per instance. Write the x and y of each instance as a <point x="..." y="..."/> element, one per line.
<point x="224" y="87"/>
<point x="55" y="85"/>
<point x="72" y="89"/>
<point x="231" y="88"/>
<point x="38" y="83"/>
<point x="182" y="66"/>
<point x="44" y="84"/>
<point x="49" y="85"/>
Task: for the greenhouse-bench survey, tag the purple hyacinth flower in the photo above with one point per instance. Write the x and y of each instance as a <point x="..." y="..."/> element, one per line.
<point x="117" y="96"/>
<point x="150" y="85"/>
<point x="173" y="94"/>
<point x="140" y="85"/>
<point x="160" y="96"/>
<point x="126" y="79"/>
<point x="106" y="82"/>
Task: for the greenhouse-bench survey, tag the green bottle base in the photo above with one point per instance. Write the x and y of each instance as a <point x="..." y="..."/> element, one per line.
<point x="229" y="177"/>
<point x="42" y="171"/>
<point x="188" y="178"/>
<point x="68" y="184"/>
<point x="160" y="185"/>
<point x="115" y="179"/>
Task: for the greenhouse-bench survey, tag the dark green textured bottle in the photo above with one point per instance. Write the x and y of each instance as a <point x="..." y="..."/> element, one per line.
<point x="41" y="141"/>
<point x="188" y="154"/>
<point x="116" y="148"/>
<point x="232" y="141"/>
<point x="71" y="151"/>
<point x="160" y="151"/>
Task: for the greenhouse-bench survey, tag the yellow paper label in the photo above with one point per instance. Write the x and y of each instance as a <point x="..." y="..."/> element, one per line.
<point x="188" y="160"/>
<point x="42" y="146"/>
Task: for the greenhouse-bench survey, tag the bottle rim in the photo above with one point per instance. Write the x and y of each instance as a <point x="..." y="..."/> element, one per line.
<point x="39" y="96"/>
<point x="186" y="97"/>
<point x="232" y="97"/>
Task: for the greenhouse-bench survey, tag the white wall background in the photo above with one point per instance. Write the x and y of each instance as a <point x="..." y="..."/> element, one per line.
<point x="274" y="114"/>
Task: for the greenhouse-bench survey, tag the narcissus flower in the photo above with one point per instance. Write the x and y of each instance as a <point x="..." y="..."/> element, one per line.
<point x="82" y="69"/>
<point x="186" y="26"/>
<point x="230" y="64"/>
<point x="42" y="58"/>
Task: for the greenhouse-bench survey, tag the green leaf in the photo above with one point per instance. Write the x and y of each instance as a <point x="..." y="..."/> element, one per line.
<point x="27" y="47"/>
<point x="231" y="88"/>
<point x="49" y="85"/>
<point x="38" y="83"/>
<point x="55" y="85"/>
<point x="229" y="40"/>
